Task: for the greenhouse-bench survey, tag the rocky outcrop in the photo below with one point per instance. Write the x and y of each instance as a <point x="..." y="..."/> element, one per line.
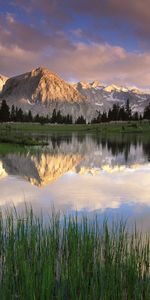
<point x="3" y="80"/>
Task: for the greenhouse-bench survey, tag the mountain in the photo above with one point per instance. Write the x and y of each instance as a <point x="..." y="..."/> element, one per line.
<point x="3" y="80"/>
<point x="40" y="86"/>
<point x="41" y="91"/>
<point x="102" y="97"/>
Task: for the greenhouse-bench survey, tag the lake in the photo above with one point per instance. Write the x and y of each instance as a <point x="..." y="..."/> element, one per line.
<point x="106" y="175"/>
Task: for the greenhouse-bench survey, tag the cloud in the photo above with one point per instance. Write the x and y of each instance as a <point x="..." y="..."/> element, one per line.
<point x="16" y="59"/>
<point x="77" y="192"/>
<point x="134" y="13"/>
<point x="81" y="61"/>
<point x="103" y="62"/>
<point x="130" y="15"/>
<point x="54" y="12"/>
<point x="28" y="36"/>
<point x="21" y="35"/>
<point x="63" y="39"/>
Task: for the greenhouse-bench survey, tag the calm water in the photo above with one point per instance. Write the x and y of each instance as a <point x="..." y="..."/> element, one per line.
<point x="109" y="176"/>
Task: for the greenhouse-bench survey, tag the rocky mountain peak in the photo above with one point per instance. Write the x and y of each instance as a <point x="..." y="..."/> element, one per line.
<point x="96" y="84"/>
<point x="114" y="87"/>
<point x="43" y="72"/>
<point x="40" y="86"/>
<point x="88" y="85"/>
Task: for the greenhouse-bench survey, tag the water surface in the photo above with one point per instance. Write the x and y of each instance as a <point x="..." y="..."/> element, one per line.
<point x="109" y="176"/>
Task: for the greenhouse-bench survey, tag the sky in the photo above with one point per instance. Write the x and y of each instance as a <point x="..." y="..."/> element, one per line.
<point x="105" y="192"/>
<point x="105" y="40"/>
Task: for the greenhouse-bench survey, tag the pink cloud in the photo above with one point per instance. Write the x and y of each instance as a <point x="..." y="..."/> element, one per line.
<point x="22" y="35"/>
<point x="83" y="62"/>
<point x="104" y="62"/>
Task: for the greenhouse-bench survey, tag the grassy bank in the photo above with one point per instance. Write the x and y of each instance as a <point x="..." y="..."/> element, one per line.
<point x="112" y="127"/>
<point x="6" y="138"/>
<point x="71" y="260"/>
<point x="30" y="134"/>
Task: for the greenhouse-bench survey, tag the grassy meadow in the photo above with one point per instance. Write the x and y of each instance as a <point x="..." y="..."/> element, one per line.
<point x="21" y="140"/>
<point x="30" y="134"/>
<point x="71" y="258"/>
<point x="111" y="127"/>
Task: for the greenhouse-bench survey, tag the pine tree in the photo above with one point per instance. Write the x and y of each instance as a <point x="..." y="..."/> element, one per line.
<point x="12" y="113"/>
<point x="67" y="119"/>
<point x="115" y="112"/>
<point x="135" y="116"/>
<point x="122" y="116"/>
<point x="54" y="116"/>
<point x="128" y="110"/>
<point x="19" y="115"/>
<point x="59" y="117"/>
<point x="80" y="120"/>
<point x="147" y="112"/>
<point x="98" y="117"/>
<point x="4" y="112"/>
<point x="109" y="115"/>
<point x="104" y="117"/>
<point x="29" y="116"/>
<point x="37" y="118"/>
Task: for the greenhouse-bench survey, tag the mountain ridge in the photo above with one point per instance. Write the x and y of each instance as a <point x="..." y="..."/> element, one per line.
<point x="104" y="96"/>
<point x="42" y="91"/>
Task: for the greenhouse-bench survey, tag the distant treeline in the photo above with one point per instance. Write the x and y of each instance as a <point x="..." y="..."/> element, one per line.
<point x="116" y="113"/>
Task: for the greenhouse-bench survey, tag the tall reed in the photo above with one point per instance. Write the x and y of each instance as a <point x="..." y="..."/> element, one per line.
<point x="71" y="259"/>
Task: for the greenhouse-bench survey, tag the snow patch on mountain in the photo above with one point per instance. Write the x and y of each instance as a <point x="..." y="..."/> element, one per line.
<point x="113" y="87"/>
<point x="110" y="94"/>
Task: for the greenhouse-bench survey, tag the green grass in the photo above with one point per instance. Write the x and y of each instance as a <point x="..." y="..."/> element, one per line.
<point x="6" y="148"/>
<point x="21" y="140"/>
<point x="112" y="127"/>
<point x="10" y="148"/>
<point x="71" y="259"/>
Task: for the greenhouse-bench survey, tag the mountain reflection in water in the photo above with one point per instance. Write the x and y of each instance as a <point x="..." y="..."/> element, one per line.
<point x="80" y="172"/>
